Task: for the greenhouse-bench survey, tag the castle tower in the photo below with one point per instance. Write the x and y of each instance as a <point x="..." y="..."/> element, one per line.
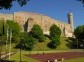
<point x="70" y="21"/>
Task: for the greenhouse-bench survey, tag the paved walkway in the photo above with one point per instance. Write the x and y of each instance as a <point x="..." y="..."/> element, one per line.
<point x="5" y="55"/>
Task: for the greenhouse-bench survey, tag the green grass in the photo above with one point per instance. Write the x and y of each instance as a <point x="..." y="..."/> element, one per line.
<point x="41" y="47"/>
<point x="4" y="47"/>
<point x="75" y="60"/>
<point x="16" y="57"/>
<point x="62" y="45"/>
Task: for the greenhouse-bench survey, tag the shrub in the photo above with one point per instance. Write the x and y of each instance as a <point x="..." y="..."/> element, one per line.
<point x="55" y="41"/>
<point x="26" y="42"/>
<point x="55" y="33"/>
<point x="37" y="33"/>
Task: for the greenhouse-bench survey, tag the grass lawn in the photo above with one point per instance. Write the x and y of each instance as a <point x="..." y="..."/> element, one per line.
<point x="75" y="60"/>
<point x="4" y="47"/>
<point x="40" y="47"/>
<point x="62" y="46"/>
<point x="16" y="57"/>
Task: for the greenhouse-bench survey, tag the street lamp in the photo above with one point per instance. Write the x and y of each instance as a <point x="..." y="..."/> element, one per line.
<point x="0" y="51"/>
<point x="77" y="50"/>
<point x="20" y="51"/>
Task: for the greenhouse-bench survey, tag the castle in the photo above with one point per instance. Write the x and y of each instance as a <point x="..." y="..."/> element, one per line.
<point x="27" y="19"/>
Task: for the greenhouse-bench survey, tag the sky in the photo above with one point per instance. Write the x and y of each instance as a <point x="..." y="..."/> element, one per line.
<point x="56" y="9"/>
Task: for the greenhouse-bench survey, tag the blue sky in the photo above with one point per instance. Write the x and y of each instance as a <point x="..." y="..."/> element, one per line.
<point x="56" y="9"/>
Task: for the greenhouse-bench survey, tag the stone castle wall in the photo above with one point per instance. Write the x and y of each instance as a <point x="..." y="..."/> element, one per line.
<point x="26" y="20"/>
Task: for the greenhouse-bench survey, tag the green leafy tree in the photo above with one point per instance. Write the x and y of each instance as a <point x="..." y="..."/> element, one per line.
<point x="15" y="29"/>
<point x="2" y="31"/>
<point x="2" y="27"/>
<point x="14" y="26"/>
<point x="55" y="41"/>
<point x="55" y="33"/>
<point x="79" y="34"/>
<point x="37" y="32"/>
<point x="7" y="4"/>
<point x="26" y="42"/>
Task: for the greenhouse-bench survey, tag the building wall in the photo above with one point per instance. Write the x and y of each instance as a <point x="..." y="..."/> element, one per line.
<point x="6" y="16"/>
<point x="26" y="20"/>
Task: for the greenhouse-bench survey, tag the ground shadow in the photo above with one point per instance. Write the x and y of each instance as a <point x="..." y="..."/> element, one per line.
<point x="2" y="60"/>
<point x="6" y="60"/>
<point x="73" y="43"/>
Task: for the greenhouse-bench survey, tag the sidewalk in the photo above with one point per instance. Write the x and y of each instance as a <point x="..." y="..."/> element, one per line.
<point x="5" y="55"/>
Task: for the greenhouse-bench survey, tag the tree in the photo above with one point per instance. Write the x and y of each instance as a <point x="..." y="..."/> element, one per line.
<point x="37" y="32"/>
<point x="55" y="41"/>
<point x="14" y="26"/>
<point x="15" y="29"/>
<point x="2" y="27"/>
<point x="79" y="32"/>
<point x="7" y="4"/>
<point x="26" y="42"/>
<point x="82" y="1"/>
<point x="55" y="33"/>
<point x="2" y="31"/>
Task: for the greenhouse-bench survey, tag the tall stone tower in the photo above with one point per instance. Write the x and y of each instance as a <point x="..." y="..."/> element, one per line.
<point x="70" y="21"/>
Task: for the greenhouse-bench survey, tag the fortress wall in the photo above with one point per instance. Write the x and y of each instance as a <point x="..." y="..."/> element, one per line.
<point x="26" y="20"/>
<point x="44" y="21"/>
<point x="6" y="16"/>
<point x="19" y="17"/>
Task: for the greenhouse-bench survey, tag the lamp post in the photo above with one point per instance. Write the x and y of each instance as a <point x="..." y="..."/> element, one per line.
<point x="0" y="51"/>
<point x="77" y="50"/>
<point x="20" y="51"/>
<point x="20" y="55"/>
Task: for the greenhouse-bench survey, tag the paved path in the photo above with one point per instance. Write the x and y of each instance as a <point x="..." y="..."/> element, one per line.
<point x="5" y="55"/>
